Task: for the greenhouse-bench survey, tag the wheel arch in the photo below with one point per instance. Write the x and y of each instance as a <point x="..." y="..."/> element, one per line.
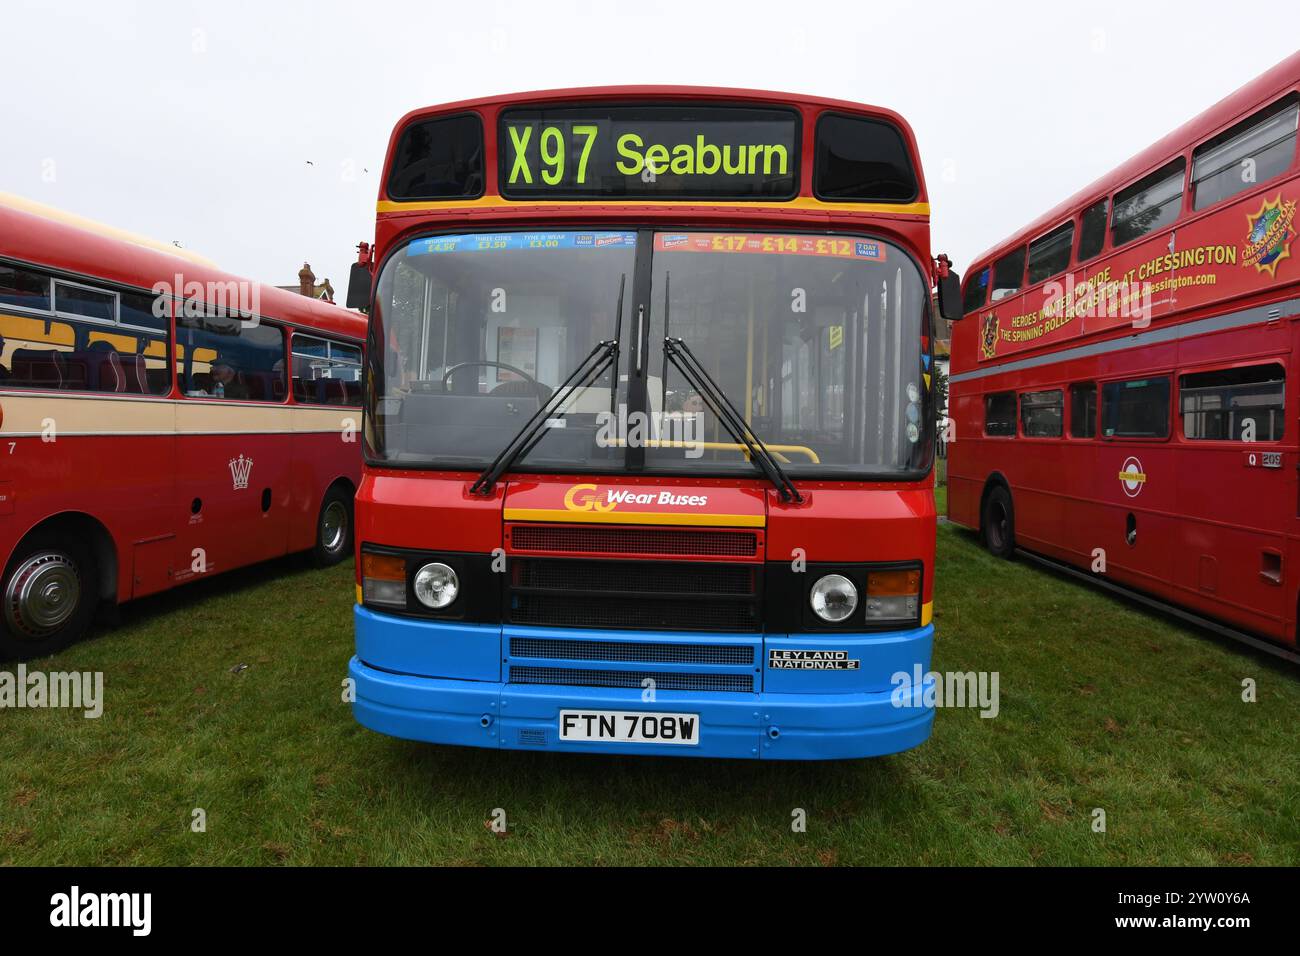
<point x="94" y="533"/>
<point x="996" y="479"/>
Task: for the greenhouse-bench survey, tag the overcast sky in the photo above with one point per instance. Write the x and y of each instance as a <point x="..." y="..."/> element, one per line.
<point x="196" y="121"/>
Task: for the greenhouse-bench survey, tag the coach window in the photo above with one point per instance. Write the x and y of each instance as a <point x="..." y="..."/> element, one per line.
<point x="1135" y="409"/>
<point x="1092" y="229"/>
<point x="229" y="357"/>
<point x="72" y="337"/>
<point x="977" y="292"/>
<point x="1148" y="204"/>
<point x="1083" y="410"/>
<point x="1008" y="274"/>
<point x="326" y="372"/>
<point x="439" y="158"/>
<point x="1234" y="404"/>
<point x="1041" y="413"/>
<point x="1000" y="414"/>
<point x="1050" y="255"/>
<point x="1254" y="151"/>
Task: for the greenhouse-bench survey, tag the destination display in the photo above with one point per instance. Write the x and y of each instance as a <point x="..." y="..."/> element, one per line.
<point x="663" y="152"/>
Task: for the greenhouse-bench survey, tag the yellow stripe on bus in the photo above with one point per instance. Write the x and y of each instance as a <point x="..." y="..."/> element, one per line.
<point x="634" y="517"/>
<point x="927" y="613"/>
<point x="802" y="203"/>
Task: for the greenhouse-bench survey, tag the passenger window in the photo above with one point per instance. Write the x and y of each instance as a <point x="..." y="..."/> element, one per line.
<point x="1148" y="204"/>
<point x="976" y="293"/>
<point x="1234" y="404"/>
<point x="1008" y="274"/>
<point x="79" y="300"/>
<point x="228" y="358"/>
<point x="21" y="287"/>
<point x="326" y="372"/>
<point x="42" y="352"/>
<point x="1092" y="231"/>
<point x="1135" y="409"/>
<point x="1254" y="151"/>
<point x="1083" y="410"/>
<point x="1050" y="255"/>
<point x="1000" y="414"/>
<point x="1040" y="413"/>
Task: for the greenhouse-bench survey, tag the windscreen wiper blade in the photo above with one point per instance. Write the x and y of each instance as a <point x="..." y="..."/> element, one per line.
<point x="601" y="357"/>
<point x="680" y="354"/>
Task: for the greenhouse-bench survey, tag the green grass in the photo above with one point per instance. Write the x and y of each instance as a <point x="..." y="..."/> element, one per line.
<point x="1101" y="706"/>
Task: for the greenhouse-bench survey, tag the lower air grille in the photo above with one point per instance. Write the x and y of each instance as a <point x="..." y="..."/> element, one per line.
<point x="635" y="652"/>
<point x="575" y="677"/>
<point x="632" y="613"/>
<point x="641" y="541"/>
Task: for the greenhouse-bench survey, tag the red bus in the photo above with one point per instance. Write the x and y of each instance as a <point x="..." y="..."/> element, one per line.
<point x="648" y="432"/>
<point x="1121" y="383"/>
<point x="160" y="421"/>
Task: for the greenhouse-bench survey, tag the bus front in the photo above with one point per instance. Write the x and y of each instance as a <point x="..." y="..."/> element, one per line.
<point x="649" y="430"/>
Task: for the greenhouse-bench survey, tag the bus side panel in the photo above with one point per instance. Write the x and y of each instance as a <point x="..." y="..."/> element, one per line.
<point x="964" y="484"/>
<point x="77" y="454"/>
<point x="325" y="447"/>
<point x="228" y="456"/>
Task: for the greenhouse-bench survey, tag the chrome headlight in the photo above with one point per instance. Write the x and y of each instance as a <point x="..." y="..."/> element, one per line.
<point x="833" y="598"/>
<point x="436" y="585"/>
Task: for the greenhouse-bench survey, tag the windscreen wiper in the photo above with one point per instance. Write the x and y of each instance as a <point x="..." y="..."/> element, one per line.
<point x="603" y="356"/>
<point x="680" y="354"/>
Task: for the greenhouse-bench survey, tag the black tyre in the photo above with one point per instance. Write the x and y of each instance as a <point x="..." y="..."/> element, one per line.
<point x="49" y="593"/>
<point x="999" y="523"/>
<point x="333" y="528"/>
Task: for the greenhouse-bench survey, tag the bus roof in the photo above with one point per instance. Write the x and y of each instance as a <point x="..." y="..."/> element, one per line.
<point x="1222" y="114"/>
<point x="76" y="246"/>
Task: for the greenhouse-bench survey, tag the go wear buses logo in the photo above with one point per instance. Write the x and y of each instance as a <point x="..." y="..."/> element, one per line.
<point x="589" y="498"/>
<point x="1132" y="477"/>
<point x="1269" y="235"/>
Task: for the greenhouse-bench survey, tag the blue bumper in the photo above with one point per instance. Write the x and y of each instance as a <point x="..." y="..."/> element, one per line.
<point x="494" y="686"/>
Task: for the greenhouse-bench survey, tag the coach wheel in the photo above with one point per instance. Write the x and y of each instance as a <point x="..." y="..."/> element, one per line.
<point x="334" y="529"/>
<point x="999" y="523"/>
<point x="49" y="593"/>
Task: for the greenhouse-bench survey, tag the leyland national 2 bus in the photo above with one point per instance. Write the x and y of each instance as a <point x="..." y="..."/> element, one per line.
<point x="1121" y="382"/>
<point x="160" y="421"/>
<point x="648" y="427"/>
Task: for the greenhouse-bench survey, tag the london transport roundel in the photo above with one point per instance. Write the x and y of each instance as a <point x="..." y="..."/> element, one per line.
<point x="1132" y="477"/>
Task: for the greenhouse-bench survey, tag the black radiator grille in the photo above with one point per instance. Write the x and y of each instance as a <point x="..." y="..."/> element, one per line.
<point x="626" y="540"/>
<point x="684" y="596"/>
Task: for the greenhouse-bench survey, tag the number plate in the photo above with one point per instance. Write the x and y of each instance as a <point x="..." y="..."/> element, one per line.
<point x="635" y="727"/>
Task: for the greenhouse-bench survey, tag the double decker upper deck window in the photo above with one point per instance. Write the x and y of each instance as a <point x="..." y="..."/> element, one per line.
<point x="1148" y="204"/>
<point x="1253" y="151"/>
<point x="439" y="159"/>
<point x="862" y="160"/>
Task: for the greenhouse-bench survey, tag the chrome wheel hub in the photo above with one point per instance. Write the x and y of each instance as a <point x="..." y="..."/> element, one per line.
<point x="334" y="526"/>
<point x="43" y="595"/>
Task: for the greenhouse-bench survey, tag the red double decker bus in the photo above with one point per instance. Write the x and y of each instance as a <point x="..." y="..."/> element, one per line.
<point x="648" y="429"/>
<point x="160" y="421"/>
<point x="1121" y="381"/>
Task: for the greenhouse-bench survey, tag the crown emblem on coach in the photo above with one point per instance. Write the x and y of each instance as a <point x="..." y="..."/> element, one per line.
<point x="240" y="468"/>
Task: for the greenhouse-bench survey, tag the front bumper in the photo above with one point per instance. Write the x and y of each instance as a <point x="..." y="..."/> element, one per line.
<point x="867" y="711"/>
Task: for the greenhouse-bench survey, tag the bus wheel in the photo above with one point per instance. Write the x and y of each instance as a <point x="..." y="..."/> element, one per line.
<point x="333" y="529"/>
<point x="999" y="523"/>
<point x="50" y="592"/>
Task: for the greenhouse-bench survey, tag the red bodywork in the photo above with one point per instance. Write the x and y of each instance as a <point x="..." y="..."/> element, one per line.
<point x="128" y="468"/>
<point x="1218" y="530"/>
<point x="839" y="521"/>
